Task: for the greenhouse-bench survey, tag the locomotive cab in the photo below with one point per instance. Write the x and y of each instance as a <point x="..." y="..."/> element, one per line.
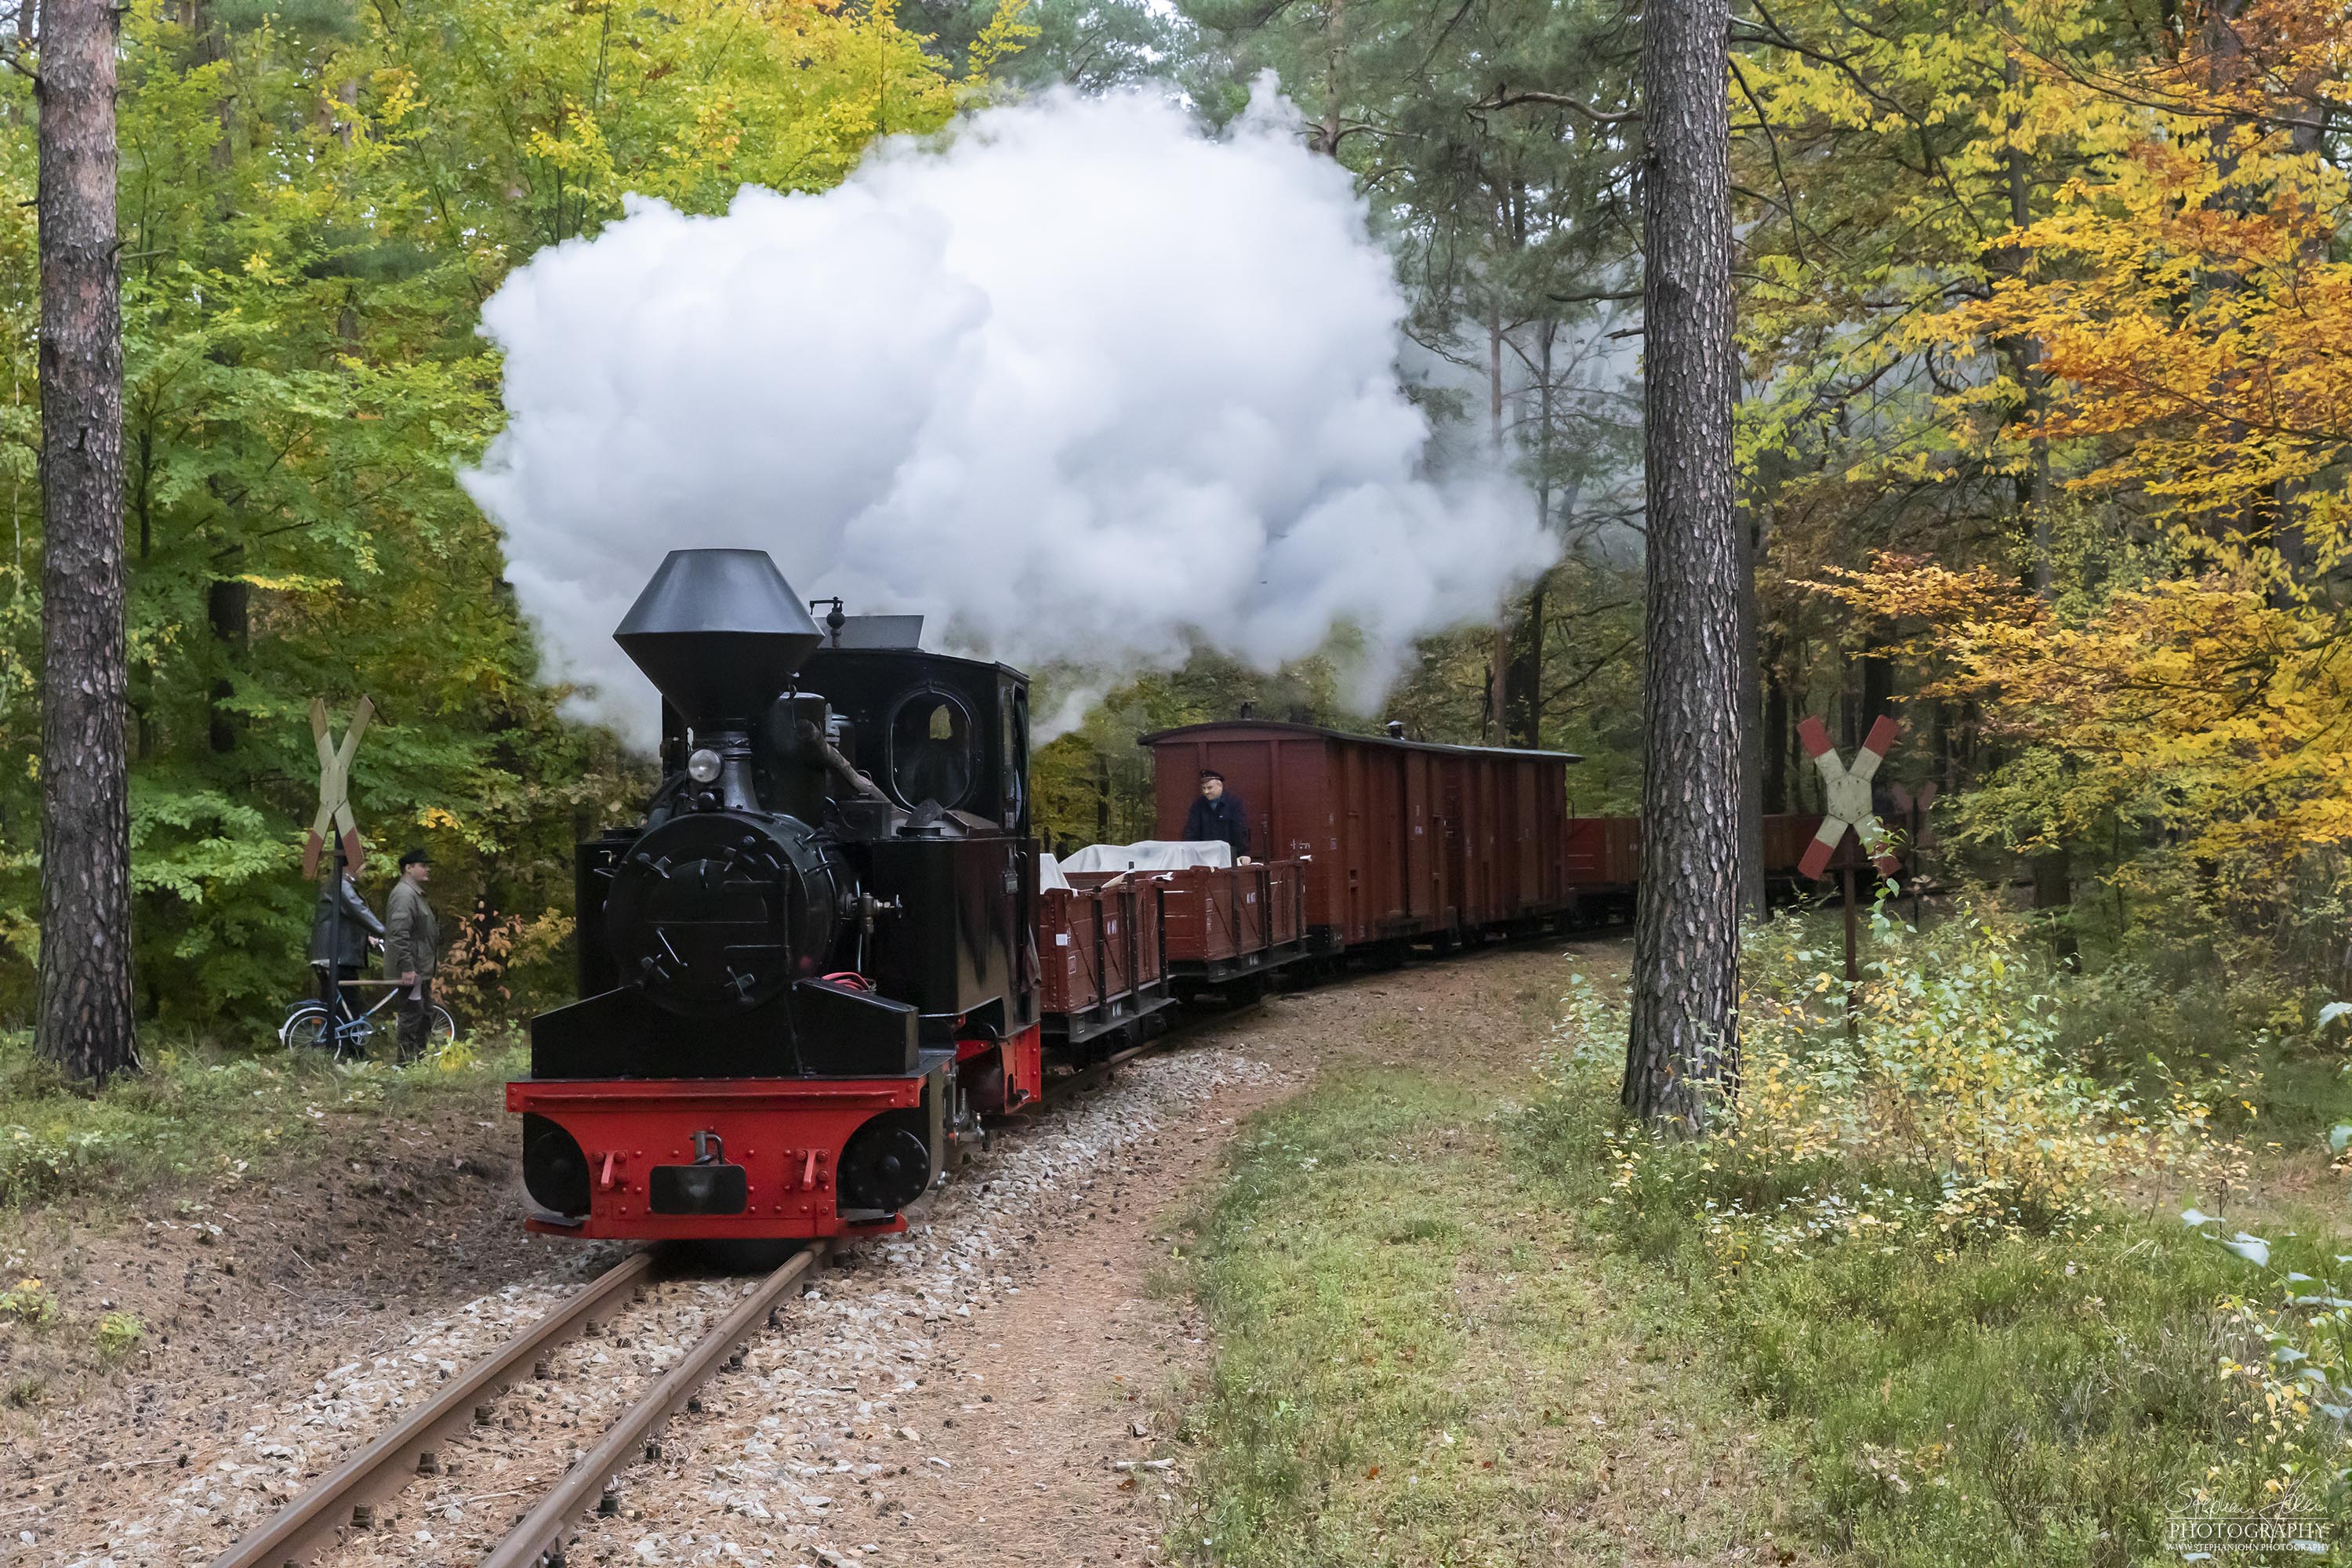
<point x="806" y="971"/>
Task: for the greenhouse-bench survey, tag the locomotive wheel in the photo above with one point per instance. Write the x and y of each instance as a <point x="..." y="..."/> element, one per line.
<point x="883" y="1166"/>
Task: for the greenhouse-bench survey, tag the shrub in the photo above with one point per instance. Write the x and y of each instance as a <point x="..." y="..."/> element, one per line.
<point x="1950" y="1107"/>
<point x="118" y="1336"/>
<point x="500" y="969"/>
<point x="29" y="1303"/>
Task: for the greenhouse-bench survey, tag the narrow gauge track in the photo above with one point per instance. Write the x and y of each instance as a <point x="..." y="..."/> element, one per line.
<point x="343" y="1500"/>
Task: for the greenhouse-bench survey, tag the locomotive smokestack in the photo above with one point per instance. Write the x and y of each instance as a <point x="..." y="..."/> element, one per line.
<point x="720" y="633"/>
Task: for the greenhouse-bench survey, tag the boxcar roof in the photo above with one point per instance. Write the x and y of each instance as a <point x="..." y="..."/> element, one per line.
<point x="1282" y="726"/>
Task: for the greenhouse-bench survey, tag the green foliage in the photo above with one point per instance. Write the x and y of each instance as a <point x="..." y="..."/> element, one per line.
<point x="315" y="201"/>
<point x="29" y="1303"/>
<point x="1928" y="1252"/>
<point x="117" y="1335"/>
<point x="1093" y="45"/>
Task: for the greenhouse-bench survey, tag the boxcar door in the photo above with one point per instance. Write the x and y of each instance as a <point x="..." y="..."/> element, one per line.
<point x="1421" y="891"/>
<point x="1248" y="763"/>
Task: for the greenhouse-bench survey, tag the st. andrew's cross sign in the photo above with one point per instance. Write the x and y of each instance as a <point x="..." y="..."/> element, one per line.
<point x="334" y="817"/>
<point x="335" y="788"/>
<point x="1845" y="796"/>
<point x="1846" y="810"/>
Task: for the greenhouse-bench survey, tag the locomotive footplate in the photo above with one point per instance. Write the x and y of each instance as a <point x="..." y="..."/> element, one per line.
<point x="713" y="1159"/>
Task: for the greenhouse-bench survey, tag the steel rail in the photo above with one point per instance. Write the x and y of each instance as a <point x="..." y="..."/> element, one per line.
<point x="316" y="1518"/>
<point x="539" y="1535"/>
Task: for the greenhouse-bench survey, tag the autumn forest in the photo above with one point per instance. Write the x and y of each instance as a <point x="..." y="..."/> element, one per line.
<point x="1706" y="391"/>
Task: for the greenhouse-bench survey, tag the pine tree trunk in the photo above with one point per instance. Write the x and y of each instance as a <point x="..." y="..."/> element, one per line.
<point x="1752" y="897"/>
<point x="1687" y="941"/>
<point x="85" y="1011"/>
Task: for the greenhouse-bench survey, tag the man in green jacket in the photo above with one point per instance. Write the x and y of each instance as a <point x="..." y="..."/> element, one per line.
<point x="412" y="947"/>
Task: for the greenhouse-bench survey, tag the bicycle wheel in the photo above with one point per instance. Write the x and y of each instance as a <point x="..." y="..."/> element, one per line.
<point x="439" y="1030"/>
<point x="307" y="1029"/>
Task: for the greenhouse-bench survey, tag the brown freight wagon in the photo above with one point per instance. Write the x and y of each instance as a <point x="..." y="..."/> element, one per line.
<point x="1604" y="854"/>
<point x="1406" y="840"/>
<point x="1227" y="925"/>
<point x="1102" y="965"/>
<point x="1603" y="864"/>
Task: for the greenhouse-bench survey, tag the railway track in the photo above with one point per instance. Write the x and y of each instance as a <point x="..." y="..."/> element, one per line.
<point x="342" y="1502"/>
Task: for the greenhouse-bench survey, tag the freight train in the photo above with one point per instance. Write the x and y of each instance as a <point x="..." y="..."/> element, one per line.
<point x="832" y="953"/>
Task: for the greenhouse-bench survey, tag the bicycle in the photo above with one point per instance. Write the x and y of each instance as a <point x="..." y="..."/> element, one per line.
<point x="308" y="1028"/>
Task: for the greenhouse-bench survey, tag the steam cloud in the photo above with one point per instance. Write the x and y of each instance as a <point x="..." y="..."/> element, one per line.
<point x="1081" y="382"/>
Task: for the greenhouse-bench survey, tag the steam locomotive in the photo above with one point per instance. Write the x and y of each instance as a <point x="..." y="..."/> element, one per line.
<point x="810" y="971"/>
<point x="815" y="968"/>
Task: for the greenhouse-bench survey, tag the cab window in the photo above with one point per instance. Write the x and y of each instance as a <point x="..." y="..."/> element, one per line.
<point x="934" y="751"/>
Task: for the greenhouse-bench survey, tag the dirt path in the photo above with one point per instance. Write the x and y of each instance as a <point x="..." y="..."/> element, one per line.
<point x="1048" y="1440"/>
<point x="991" y="1389"/>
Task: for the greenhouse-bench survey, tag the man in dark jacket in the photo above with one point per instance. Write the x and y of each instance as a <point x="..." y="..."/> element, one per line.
<point x="348" y="936"/>
<point x="1219" y="815"/>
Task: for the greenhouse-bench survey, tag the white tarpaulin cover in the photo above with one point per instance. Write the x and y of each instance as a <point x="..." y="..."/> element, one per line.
<point x="1151" y="855"/>
<point x="1049" y="875"/>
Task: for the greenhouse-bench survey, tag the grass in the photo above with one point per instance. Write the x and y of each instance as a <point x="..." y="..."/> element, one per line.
<point x="1416" y="1363"/>
<point x="2010" y="1399"/>
<point x="2027" y="1401"/>
<point x="198" y="1113"/>
<point x="1450" y="1330"/>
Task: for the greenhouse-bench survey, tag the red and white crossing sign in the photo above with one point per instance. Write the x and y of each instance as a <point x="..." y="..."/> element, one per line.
<point x="1845" y="792"/>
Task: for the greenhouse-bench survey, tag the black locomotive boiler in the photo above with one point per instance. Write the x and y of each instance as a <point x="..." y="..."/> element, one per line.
<point x="811" y="968"/>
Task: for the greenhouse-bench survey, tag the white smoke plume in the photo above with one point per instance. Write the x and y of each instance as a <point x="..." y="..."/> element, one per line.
<point x="1079" y="382"/>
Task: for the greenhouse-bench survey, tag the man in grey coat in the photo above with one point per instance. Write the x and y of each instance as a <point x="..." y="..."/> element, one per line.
<point x="412" y="949"/>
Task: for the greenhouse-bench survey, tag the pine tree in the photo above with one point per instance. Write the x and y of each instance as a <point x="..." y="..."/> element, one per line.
<point x="85" y="1011"/>
<point x="1686" y="941"/>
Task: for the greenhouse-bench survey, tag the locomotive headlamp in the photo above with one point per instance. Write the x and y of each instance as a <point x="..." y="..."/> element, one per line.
<point x="703" y="766"/>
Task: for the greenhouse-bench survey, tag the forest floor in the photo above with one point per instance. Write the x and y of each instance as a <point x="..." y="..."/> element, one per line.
<point x="1024" y="1378"/>
<point x="1303" y="1291"/>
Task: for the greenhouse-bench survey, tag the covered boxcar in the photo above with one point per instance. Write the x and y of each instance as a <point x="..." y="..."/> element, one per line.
<point x="1604" y="860"/>
<point x="1407" y="841"/>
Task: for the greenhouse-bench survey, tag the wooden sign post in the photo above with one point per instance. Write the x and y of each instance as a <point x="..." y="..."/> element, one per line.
<point x="1919" y="827"/>
<point x="1847" y="819"/>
